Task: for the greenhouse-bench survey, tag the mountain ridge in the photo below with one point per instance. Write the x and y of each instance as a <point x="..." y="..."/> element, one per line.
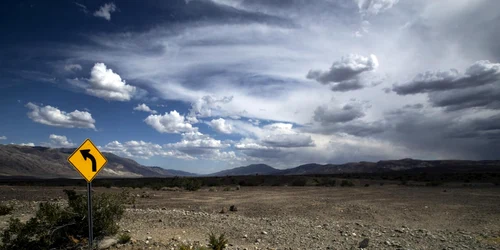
<point x="44" y="162"/>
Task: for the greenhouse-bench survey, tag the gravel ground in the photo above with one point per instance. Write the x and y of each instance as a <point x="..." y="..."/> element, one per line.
<point x="386" y="217"/>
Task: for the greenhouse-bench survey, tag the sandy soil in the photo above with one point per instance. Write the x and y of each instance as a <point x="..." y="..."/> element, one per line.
<point x="390" y="217"/>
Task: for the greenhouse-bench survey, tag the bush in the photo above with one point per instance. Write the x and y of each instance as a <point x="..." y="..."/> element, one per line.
<point x="55" y="226"/>
<point x="327" y="182"/>
<point x="4" y="209"/>
<point x="299" y="182"/>
<point x="192" y="185"/>
<point x="124" y="238"/>
<point x="227" y="189"/>
<point x="188" y="247"/>
<point x="367" y="185"/>
<point x="215" y="243"/>
<point x="346" y="183"/>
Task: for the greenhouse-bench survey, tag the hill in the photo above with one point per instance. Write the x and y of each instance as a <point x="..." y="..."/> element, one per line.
<point x="260" y="169"/>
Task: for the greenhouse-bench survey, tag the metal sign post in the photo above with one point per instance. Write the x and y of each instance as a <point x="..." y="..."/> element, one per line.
<point x="88" y="171"/>
<point x="89" y="202"/>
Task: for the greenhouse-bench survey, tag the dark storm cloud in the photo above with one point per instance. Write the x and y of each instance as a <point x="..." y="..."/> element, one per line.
<point x="330" y="115"/>
<point x="479" y="73"/>
<point x="481" y="97"/>
<point x="288" y="140"/>
<point x="355" y="128"/>
<point x="345" y="73"/>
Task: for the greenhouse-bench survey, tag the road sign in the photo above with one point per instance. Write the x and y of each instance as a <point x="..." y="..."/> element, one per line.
<point x="87" y="160"/>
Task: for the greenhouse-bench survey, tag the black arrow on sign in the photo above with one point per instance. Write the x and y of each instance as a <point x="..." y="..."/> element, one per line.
<point x="86" y="154"/>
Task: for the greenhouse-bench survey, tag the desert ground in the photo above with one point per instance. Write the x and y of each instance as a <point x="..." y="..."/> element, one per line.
<point x="389" y="216"/>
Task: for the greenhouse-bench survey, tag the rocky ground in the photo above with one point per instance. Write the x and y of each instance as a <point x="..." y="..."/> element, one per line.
<point x="375" y="217"/>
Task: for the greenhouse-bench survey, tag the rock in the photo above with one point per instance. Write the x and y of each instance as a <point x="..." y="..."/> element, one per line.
<point x="245" y="236"/>
<point x="364" y="243"/>
<point x="149" y="238"/>
<point x="107" y="243"/>
<point x="233" y="208"/>
<point x="223" y="211"/>
<point x="264" y="232"/>
<point x="399" y="231"/>
<point x="147" y="242"/>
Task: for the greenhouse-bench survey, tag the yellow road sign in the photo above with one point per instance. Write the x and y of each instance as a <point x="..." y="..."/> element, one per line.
<point x="87" y="160"/>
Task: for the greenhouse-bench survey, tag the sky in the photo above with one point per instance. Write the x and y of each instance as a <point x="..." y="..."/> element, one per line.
<point x="207" y="85"/>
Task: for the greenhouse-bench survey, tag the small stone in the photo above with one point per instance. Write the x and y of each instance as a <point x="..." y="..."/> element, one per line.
<point x="149" y="238"/>
<point x="364" y="243"/>
<point x="245" y="236"/>
<point x="264" y="232"/>
<point x="258" y="240"/>
<point x="147" y="242"/>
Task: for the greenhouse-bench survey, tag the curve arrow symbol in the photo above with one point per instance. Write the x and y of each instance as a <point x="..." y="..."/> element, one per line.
<point x="86" y="154"/>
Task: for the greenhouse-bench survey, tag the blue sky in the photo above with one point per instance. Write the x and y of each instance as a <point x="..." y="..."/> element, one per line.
<point x="205" y="85"/>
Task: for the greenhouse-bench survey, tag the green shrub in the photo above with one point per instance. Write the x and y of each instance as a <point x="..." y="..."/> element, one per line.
<point x="124" y="238"/>
<point x="346" y="183"/>
<point x="300" y="182"/>
<point x="4" y="209"/>
<point x="192" y="184"/>
<point x="215" y="243"/>
<point x="55" y="226"/>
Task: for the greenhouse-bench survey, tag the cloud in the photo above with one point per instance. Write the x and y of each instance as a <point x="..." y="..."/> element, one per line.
<point x="145" y="108"/>
<point x="328" y="114"/>
<point x="208" y="106"/>
<point x="82" y="7"/>
<point x="171" y="122"/>
<point x="59" y="141"/>
<point x="196" y="143"/>
<point x="29" y="144"/>
<point x="72" y="67"/>
<point x="374" y="7"/>
<point x="487" y="97"/>
<point x="106" y="84"/>
<point x="52" y="116"/>
<point x="478" y="74"/>
<point x="3" y="137"/>
<point x="141" y="149"/>
<point x="221" y="126"/>
<point x="283" y="135"/>
<point x="345" y="72"/>
<point x="105" y="11"/>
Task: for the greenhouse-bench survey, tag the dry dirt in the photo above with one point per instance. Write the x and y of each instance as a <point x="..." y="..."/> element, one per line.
<point x="390" y="217"/>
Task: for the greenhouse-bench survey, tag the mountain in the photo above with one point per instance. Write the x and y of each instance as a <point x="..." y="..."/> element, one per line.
<point x="43" y="162"/>
<point x="260" y="169"/>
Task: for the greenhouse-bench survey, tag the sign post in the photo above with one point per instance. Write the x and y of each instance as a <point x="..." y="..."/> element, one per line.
<point x="88" y="151"/>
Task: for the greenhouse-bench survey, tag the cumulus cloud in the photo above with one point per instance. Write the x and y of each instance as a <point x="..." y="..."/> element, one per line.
<point x="208" y="106"/>
<point x="105" y="11"/>
<point x="480" y="73"/>
<point x="196" y="143"/>
<point x="374" y="7"/>
<point x="72" y="67"/>
<point x="344" y="74"/>
<point x="145" y="108"/>
<point x="141" y="149"/>
<point x="106" y="84"/>
<point x="29" y="144"/>
<point x="59" y="141"/>
<point x="171" y="122"/>
<point x="487" y="97"/>
<point x="3" y="137"/>
<point x="283" y="135"/>
<point x="328" y="114"/>
<point x="52" y="116"/>
<point x="221" y="126"/>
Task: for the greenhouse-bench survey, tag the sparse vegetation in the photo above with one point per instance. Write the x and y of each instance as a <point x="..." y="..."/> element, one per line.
<point x="217" y="243"/>
<point x="5" y="209"/>
<point x="56" y="226"/>
<point x="124" y="238"/>
<point x="227" y="189"/>
<point x="300" y="182"/>
<point x="346" y="183"/>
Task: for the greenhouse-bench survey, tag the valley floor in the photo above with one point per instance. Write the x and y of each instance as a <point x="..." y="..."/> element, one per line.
<point x="390" y="216"/>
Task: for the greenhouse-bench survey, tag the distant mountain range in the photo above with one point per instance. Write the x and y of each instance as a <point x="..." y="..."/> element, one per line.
<point x="43" y="162"/>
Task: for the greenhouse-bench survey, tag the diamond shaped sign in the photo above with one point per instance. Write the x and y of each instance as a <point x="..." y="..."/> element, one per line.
<point x="87" y="160"/>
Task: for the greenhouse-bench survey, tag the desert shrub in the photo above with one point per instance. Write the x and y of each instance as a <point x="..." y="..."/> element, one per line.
<point x="327" y="182"/>
<point x="188" y="247"/>
<point x="4" y="209"/>
<point x="227" y="189"/>
<point x="124" y="238"/>
<point x="212" y="189"/>
<point x="192" y="184"/>
<point x="346" y="183"/>
<point x="217" y="243"/>
<point x="56" y="226"/>
<point x="300" y="182"/>
<point x="238" y="187"/>
<point x="367" y="185"/>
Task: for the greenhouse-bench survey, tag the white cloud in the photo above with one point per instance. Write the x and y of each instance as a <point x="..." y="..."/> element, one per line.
<point x="29" y="144"/>
<point x="3" y="137"/>
<point x="374" y="7"/>
<point x="141" y="149"/>
<point x="221" y="126"/>
<point x="171" y="122"/>
<point x="106" y="84"/>
<point x="194" y="143"/>
<point x="145" y="108"/>
<point x="82" y="7"/>
<point x="52" y="116"/>
<point x="59" y="141"/>
<point x="72" y="67"/>
<point x="105" y="11"/>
